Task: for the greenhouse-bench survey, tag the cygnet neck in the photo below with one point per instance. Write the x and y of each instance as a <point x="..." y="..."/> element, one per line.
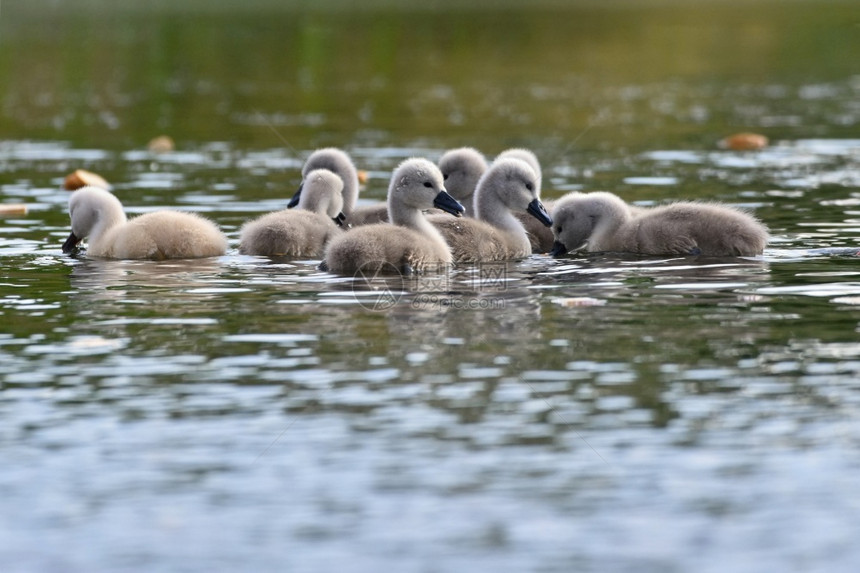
<point x="491" y="209"/>
<point x="108" y="213"/>
<point x="320" y="199"/>
<point x="406" y="216"/>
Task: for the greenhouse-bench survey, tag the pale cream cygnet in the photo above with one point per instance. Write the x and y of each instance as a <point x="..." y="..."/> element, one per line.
<point x="339" y="162"/>
<point x="302" y="232"/>
<point x="98" y="216"/>
<point x="461" y="169"/>
<point x="509" y="186"/>
<point x="539" y="234"/>
<point x="409" y="243"/>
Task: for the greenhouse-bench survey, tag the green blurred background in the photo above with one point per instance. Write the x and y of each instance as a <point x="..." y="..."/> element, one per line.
<point x="112" y="74"/>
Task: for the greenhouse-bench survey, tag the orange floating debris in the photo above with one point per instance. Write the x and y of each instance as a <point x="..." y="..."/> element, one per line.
<point x="362" y="176"/>
<point x="579" y="301"/>
<point x="81" y="178"/>
<point x="744" y="142"/>
<point x="161" y="144"/>
<point x="13" y="209"/>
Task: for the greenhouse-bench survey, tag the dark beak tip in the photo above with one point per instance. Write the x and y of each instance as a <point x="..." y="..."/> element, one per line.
<point x="558" y="249"/>
<point x="71" y="244"/>
<point x="296" y="197"/>
<point x="538" y="211"/>
<point x="448" y="204"/>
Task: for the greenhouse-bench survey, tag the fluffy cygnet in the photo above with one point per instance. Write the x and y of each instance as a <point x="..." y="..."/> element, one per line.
<point x="411" y="243"/>
<point x="340" y="163"/>
<point x="539" y="234"/>
<point x="302" y="232"/>
<point x="98" y="216"/>
<point x="461" y="169"/>
<point x="601" y="221"/>
<point x="509" y="186"/>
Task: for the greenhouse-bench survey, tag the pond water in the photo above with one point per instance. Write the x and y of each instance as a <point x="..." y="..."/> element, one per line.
<point x="589" y="413"/>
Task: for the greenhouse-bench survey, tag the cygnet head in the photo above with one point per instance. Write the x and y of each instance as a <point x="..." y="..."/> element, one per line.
<point x="461" y="169"/>
<point x="339" y="163"/>
<point x="322" y="194"/>
<point x="418" y="184"/>
<point x="513" y="183"/>
<point x="524" y="155"/>
<point x="579" y="215"/>
<point x="91" y="207"/>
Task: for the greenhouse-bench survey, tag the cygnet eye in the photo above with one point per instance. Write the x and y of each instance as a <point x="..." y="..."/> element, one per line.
<point x="445" y="176"/>
<point x="530" y="187"/>
<point x="558" y="229"/>
<point x="428" y="184"/>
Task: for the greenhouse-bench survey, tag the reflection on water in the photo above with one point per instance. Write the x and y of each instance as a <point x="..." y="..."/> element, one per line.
<point x="596" y="412"/>
<point x="93" y="274"/>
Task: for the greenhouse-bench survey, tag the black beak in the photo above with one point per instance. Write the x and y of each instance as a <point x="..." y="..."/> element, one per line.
<point x="448" y="204"/>
<point x="536" y="210"/>
<point x="339" y="219"/>
<point x="71" y="244"/>
<point x="295" y="200"/>
<point x="558" y="249"/>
